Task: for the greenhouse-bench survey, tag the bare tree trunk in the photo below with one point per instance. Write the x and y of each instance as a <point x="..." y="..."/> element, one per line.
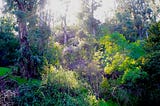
<point x="92" y="17"/>
<point x="64" y="23"/>
<point x="65" y="30"/>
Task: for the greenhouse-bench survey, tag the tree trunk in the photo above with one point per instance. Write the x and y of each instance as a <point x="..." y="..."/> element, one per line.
<point x="25" y="60"/>
<point x="64" y="27"/>
<point x="92" y="18"/>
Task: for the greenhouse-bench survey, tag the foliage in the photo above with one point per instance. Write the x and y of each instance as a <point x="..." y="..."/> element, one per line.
<point x="87" y="21"/>
<point x="59" y="87"/>
<point x="132" y="72"/>
<point x="24" y="11"/>
<point x="108" y="103"/>
<point x="151" y="65"/>
<point x="44" y="50"/>
<point x="121" y="68"/>
<point x="84" y="65"/>
<point x="133" y="18"/>
<point x="56" y="49"/>
<point x="119" y="53"/>
<point x="9" y="44"/>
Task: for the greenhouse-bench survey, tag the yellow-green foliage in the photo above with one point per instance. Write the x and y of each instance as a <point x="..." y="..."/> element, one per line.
<point x="59" y="87"/>
<point x="116" y="61"/>
<point x="104" y="83"/>
<point x="121" y="67"/>
<point x="62" y="77"/>
<point x="92" y="100"/>
<point x="120" y="55"/>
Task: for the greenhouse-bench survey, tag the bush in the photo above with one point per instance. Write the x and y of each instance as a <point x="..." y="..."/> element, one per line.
<point x="151" y="65"/>
<point x="58" y="88"/>
<point x="9" y="44"/>
<point x="122" y="70"/>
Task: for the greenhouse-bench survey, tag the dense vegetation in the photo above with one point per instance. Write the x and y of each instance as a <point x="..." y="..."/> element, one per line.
<point x="115" y="63"/>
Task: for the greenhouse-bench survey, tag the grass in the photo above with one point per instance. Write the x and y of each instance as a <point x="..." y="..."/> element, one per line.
<point x="108" y="103"/>
<point x="20" y="80"/>
<point x="4" y="71"/>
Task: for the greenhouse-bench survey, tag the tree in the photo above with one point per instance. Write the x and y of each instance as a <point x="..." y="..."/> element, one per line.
<point x="122" y="71"/>
<point x="151" y="65"/>
<point x="86" y="16"/>
<point x="64" y="22"/>
<point x="22" y="9"/>
<point x="9" y="44"/>
<point x="133" y="18"/>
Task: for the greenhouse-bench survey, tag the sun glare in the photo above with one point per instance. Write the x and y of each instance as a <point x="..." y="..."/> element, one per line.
<point x="0" y="6"/>
<point x="72" y="7"/>
<point x="65" y="7"/>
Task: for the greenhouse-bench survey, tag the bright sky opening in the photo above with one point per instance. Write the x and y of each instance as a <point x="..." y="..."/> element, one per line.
<point x="58" y="8"/>
<point x="0" y="6"/>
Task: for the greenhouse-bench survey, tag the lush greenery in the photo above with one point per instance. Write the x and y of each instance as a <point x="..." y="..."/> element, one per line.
<point x="114" y="63"/>
<point x="8" y="42"/>
<point x="4" y="71"/>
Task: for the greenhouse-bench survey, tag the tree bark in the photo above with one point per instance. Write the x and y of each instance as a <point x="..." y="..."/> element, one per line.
<point x="65" y="31"/>
<point x="64" y="27"/>
<point x="92" y="18"/>
<point x="25" y="60"/>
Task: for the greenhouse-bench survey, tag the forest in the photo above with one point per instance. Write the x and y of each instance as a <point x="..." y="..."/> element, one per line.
<point x="73" y="57"/>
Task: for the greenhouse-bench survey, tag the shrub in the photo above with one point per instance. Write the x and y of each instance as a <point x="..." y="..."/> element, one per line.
<point x="9" y="44"/>
<point x="151" y="65"/>
<point x="122" y="71"/>
<point x="58" y="88"/>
